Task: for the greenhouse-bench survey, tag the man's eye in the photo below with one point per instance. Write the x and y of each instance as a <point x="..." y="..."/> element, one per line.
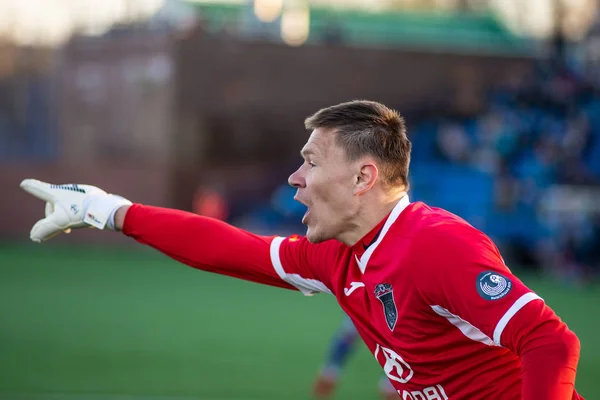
<point x="312" y="164"/>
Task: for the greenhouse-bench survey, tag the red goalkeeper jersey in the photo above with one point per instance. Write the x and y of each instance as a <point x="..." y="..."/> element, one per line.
<point x="429" y="294"/>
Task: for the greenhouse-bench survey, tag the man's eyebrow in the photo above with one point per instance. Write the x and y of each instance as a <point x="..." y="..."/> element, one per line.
<point x="305" y="153"/>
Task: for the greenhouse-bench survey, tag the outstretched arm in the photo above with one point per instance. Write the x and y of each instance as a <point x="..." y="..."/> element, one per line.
<point x="201" y="242"/>
<point x="197" y="241"/>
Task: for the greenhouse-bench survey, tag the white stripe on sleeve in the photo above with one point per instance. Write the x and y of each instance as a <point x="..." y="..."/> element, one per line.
<point x="517" y="305"/>
<point x="307" y="286"/>
<point x="275" y="259"/>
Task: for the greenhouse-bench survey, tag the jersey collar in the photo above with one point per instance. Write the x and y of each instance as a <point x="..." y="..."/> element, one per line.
<point x="372" y="239"/>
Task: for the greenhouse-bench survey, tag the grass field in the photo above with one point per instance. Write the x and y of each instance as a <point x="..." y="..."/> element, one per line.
<point x="130" y="324"/>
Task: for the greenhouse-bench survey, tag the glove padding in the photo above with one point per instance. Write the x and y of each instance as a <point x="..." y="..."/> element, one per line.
<point x="72" y="206"/>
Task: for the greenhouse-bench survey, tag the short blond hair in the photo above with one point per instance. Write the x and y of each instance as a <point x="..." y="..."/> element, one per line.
<point x="369" y="128"/>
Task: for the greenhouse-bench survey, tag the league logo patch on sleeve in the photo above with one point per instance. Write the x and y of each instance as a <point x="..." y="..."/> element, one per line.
<point x="492" y="285"/>
<point x="385" y="295"/>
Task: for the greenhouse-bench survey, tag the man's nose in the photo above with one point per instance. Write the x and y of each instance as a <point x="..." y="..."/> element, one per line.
<point x="296" y="180"/>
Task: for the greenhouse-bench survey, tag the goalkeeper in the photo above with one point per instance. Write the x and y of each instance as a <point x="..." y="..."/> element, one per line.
<point x="429" y="294"/>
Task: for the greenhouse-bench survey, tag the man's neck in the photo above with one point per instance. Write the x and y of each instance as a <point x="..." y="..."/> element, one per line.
<point x="373" y="213"/>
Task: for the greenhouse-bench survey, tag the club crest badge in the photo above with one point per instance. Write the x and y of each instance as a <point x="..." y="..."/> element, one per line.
<point x="385" y="294"/>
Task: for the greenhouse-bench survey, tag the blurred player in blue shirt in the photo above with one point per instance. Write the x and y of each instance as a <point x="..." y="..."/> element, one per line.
<point x="343" y="344"/>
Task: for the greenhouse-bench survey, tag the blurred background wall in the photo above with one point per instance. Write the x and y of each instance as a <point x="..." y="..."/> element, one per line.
<point x="200" y="106"/>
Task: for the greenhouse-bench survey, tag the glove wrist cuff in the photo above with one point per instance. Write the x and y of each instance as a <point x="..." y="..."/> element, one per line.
<point x="100" y="210"/>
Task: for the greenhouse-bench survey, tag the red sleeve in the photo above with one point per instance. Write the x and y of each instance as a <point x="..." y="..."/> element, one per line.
<point x="466" y="281"/>
<point x="204" y="243"/>
<point x="540" y="338"/>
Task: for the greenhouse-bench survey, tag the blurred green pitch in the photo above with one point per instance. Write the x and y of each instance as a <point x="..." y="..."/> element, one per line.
<point x="130" y="324"/>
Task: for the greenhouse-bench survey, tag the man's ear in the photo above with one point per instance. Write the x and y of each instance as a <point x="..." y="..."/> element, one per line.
<point x="365" y="178"/>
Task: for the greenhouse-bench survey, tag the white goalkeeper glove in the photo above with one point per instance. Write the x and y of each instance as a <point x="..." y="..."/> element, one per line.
<point x="72" y="206"/>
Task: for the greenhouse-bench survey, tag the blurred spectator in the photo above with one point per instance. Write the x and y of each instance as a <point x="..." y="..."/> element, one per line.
<point x="210" y="203"/>
<point x="532" y="135"/>
<point x="453" y="143"/>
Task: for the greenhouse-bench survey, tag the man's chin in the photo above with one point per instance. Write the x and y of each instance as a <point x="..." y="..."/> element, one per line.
<point x="310" y="235"/>
<point x="315" y="240"/>
<point x="313" y="236"/>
